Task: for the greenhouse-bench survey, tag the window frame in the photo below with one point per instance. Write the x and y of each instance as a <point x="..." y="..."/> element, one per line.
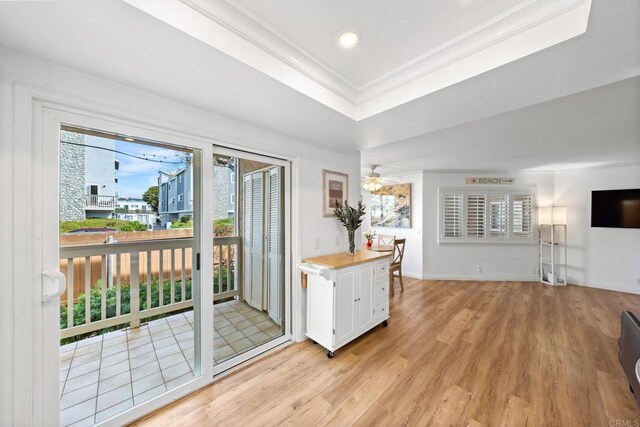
<point x="491" y="194"/>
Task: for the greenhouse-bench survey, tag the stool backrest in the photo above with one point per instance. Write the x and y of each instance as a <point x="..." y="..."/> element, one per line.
<point x="398" y="250"/>
<point x="386" y="240"/>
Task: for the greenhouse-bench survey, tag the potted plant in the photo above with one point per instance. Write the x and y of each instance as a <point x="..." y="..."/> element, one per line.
<point x="369" y="236"/>
<point x="351" y="218"/>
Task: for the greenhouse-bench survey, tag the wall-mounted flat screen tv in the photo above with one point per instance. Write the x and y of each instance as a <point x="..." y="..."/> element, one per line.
<point x="615" y="208"/>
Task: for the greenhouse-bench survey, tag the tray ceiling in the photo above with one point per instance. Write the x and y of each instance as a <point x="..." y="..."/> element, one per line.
<point x="391" y="36"/>
<point x="405" y="53"/>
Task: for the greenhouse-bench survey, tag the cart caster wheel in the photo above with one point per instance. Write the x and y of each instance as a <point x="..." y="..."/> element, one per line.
<point x="385" y="324"/>
<point x="329" y="354"/>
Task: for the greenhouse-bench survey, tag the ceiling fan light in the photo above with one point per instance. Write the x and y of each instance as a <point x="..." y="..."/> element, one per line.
<point x="371" y="186"/>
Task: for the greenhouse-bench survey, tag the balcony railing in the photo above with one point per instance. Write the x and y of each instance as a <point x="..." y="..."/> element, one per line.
<point x="120" y="283"/>
<point x="94" y="201"/>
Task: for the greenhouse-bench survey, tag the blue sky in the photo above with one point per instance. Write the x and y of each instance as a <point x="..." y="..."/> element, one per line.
<point x="136" y="175"/>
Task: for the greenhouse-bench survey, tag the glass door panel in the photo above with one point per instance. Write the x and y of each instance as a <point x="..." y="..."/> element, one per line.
<point x="249" y="263"/>
<point x="128" y="251"/>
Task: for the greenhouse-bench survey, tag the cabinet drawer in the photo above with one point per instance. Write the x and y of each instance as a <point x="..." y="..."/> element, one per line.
<point x="382" y="311"/>
<point x="382" y="289"/>
<point x="382" y="269"/>
<point x="379" y="280"/>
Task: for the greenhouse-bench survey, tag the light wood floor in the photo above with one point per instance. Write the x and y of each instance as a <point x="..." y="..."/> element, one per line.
<point x="455" y="353"/>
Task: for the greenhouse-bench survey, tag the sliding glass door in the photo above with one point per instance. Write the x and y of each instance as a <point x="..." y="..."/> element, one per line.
<point x="165" y="262"/>
<point x="250" y="209"/>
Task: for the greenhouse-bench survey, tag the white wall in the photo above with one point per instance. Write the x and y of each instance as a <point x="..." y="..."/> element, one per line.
<point x="412" y="262"/>
<point x="149" y="108"/>
<point x="607" y="258"/>
<point x="461" y="261"/>
<point x="6" y="260"/>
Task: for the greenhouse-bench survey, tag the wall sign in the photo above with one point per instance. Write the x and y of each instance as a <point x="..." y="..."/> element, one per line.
<point x="489" y="180"/>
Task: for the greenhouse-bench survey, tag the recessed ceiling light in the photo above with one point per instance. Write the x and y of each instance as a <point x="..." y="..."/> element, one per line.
<point x="348" y="38"/>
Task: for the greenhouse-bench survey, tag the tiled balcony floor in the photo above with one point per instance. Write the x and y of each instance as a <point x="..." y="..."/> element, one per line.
<point x="104" y="375"/>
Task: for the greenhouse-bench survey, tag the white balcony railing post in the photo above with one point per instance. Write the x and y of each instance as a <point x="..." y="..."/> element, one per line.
<point x="134" y="288"/>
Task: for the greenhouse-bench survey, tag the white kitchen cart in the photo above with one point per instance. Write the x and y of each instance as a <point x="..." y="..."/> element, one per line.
<point x="347" y="296"/>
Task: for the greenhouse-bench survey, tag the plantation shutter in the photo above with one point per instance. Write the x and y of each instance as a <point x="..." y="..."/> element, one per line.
<point x="274" y="242"/>
<point x="476" y="215"/>
<point x="499" y="215"/>
<point x="452" y="207"/>
<point x="246" y="237"/>
<point x="257" y="238"/>
<point x="487" y="215"/>
<point x="522" y="215"/>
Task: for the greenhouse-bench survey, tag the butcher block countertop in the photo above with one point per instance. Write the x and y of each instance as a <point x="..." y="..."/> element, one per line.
<point x="343" y="259"/>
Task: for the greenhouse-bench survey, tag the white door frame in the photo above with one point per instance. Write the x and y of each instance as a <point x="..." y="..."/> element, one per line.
<point x="28" y="239"/>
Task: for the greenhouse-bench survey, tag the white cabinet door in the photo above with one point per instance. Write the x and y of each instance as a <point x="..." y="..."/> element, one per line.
<point x="345" y="296"/>
<point x="365" y="297"/>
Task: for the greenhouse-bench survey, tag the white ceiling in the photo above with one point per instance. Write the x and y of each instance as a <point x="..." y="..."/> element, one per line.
<point x="392" y="34"/>
<point x="113" y="40"/>
<point x="599" y="127"/>
<point x="410" y="51"/>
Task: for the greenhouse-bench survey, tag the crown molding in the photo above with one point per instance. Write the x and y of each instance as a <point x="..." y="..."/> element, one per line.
<point x="527" y="28"/>
<point x="242" y="22"/>
<point x="510" y="23"/>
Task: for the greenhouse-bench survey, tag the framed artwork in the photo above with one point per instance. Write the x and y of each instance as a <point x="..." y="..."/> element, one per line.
<point x="391" y="206"/>
<point x="335" y="186"/>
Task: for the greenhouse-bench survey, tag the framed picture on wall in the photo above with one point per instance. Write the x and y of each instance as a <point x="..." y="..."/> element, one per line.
<point x="391" y="206"/>
<point x="335" y="187"/>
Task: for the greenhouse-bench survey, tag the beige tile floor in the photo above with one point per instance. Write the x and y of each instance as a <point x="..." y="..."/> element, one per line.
<point x="104" y="375"/>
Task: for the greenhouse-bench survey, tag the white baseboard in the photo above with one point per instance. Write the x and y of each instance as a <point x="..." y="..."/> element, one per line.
<point x="530" y="278"/>
<point x="412" y="275"/>
<point x="482" y="278"/>
<point x="615" y="288"/>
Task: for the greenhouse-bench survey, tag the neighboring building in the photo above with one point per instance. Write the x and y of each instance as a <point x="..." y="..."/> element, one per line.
<point x="72" y="176"/>
<point x="175" y="197"/>
<point x="100" y="177"/>
<point x="135" y="209"/>
<point x="88" y="179"/>
<point x="132" y="205"/>
<point x="224" y="190"/>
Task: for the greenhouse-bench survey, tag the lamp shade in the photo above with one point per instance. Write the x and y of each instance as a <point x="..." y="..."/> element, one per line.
<point x="555" y="215"/>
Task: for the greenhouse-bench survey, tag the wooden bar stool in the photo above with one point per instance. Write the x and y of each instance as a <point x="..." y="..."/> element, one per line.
<point x="396" y="265"/>
<point x="385" y="239"/>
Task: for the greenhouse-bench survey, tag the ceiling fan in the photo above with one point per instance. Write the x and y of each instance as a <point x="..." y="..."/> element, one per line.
<point x="373" y="181"/>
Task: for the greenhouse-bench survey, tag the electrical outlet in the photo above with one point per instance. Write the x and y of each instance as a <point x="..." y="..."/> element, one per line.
<point x="479" y="269"/>
<point x="317" y="243"/>
<point x="337" y="240"/>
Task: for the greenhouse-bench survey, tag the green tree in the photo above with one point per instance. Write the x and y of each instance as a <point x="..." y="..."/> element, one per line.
<point x="151" y="197"/>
